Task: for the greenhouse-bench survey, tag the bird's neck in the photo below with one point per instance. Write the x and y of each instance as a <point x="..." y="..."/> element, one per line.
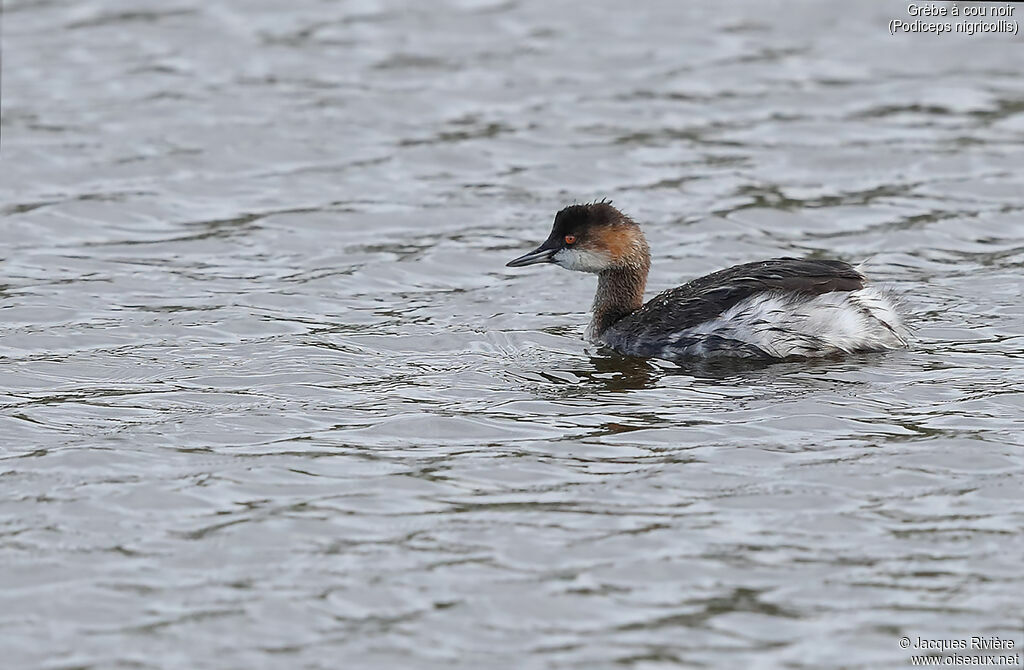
<point x="620" y="292"/>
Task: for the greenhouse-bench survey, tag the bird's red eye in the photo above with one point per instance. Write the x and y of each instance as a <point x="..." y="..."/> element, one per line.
<point x="569" y="239"/>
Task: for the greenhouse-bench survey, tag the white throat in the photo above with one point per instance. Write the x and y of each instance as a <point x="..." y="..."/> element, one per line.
<point x="582" y="260"/>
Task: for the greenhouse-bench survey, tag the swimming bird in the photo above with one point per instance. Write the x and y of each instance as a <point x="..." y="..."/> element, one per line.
<point x="772" y="309"/>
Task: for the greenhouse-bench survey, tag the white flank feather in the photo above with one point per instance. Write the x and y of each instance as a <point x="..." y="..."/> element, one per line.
<point x="782" y="325"/>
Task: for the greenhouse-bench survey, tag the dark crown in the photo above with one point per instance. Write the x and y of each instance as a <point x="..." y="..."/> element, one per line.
<point x="586" y="215"/>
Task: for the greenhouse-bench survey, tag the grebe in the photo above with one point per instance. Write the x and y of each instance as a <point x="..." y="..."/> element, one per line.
<point x="770" y="309"/>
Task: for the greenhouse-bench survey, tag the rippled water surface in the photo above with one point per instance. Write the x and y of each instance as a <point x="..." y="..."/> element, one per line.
<point x="270" y="398"/>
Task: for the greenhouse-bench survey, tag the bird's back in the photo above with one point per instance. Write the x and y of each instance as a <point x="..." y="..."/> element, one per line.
<point x="775" y="308"/>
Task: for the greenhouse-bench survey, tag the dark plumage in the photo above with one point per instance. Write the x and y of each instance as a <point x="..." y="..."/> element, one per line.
<point x="709" y="296"/>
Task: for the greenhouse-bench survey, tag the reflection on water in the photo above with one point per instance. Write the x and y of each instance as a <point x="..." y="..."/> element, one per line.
<point x="270" y="398"/>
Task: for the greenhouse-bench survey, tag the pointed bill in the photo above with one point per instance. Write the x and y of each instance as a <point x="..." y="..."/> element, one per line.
<point x="542" y="254"/>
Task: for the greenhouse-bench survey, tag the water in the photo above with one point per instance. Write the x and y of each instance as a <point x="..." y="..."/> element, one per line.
<point x="271" y="400"/>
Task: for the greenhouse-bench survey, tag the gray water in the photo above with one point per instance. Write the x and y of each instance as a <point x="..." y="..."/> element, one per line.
<point x="270" y="398"/>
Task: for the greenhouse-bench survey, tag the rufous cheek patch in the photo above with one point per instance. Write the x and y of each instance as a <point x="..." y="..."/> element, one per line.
<point x="617" y="241"/>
